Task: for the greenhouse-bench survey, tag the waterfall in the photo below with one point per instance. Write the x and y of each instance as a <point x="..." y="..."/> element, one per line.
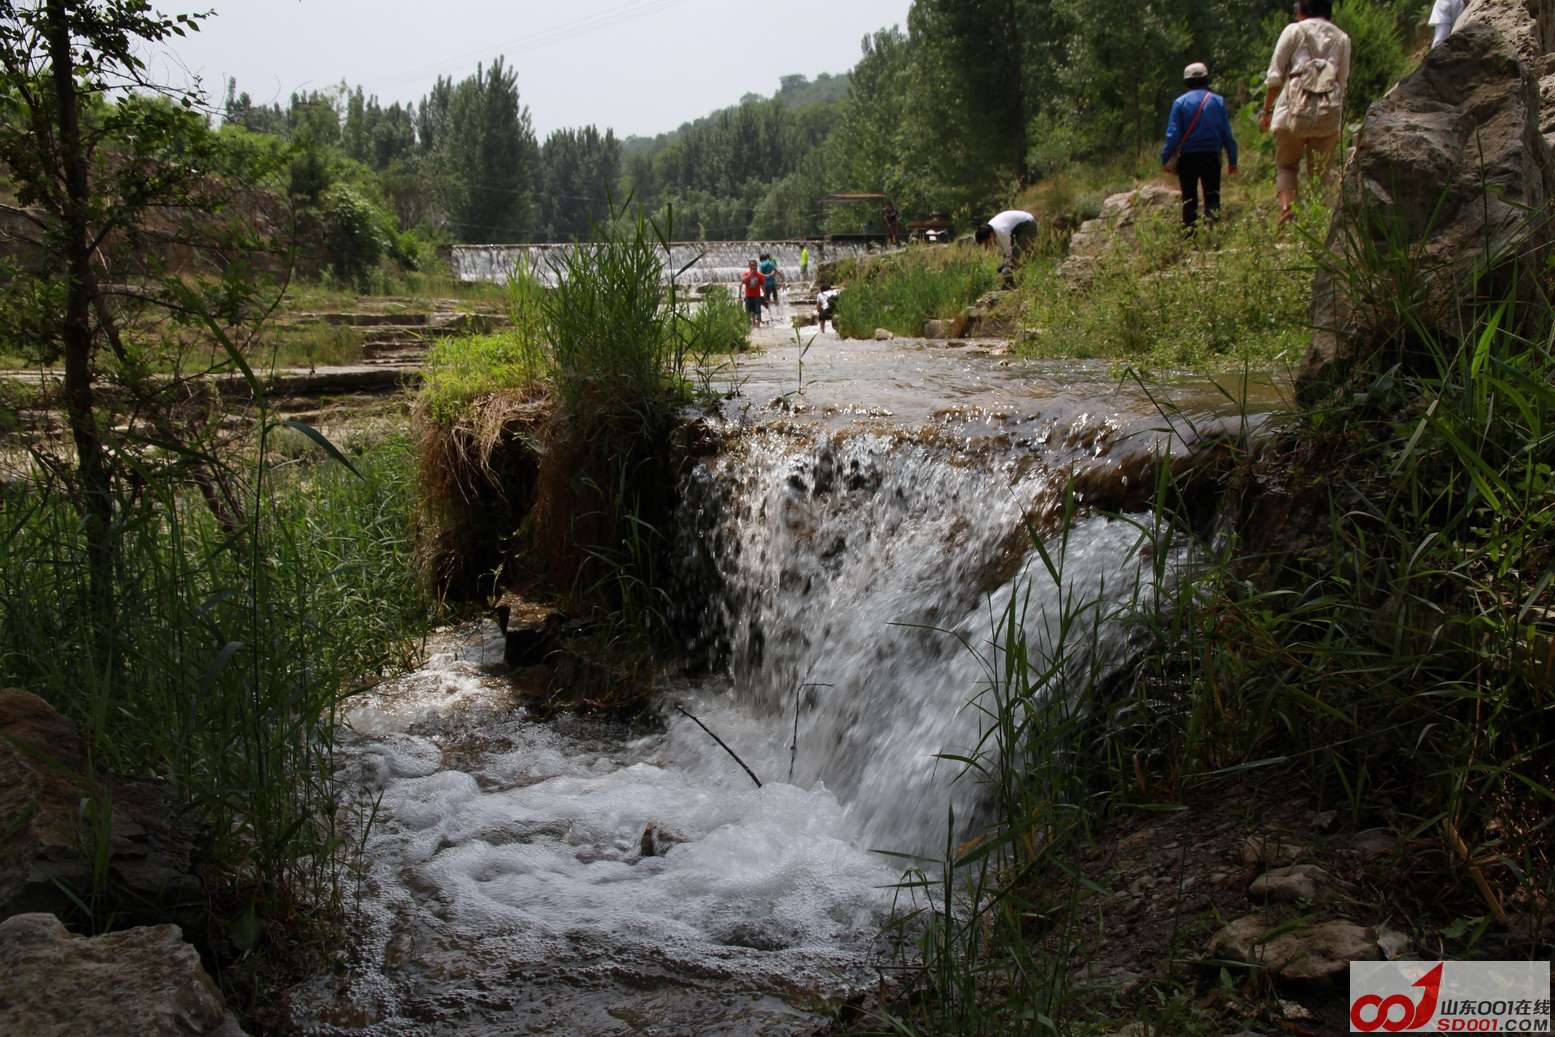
<point x="861" y="577"/>
<point x="704" y="262"/>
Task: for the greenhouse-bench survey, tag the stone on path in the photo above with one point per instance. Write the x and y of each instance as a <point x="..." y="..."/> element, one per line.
<point x="1302" y="882"/>
<point x="1310" y="953"/>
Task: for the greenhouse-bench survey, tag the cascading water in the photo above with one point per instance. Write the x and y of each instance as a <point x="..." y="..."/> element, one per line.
<point x="583" y="877"/>
<point x="864" y="576"/>
<point x="695" y="262"/>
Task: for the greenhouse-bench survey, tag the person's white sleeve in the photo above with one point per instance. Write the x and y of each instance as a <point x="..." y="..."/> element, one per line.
<point x="1284" y="52"/>
<point x="1346" y="53"/>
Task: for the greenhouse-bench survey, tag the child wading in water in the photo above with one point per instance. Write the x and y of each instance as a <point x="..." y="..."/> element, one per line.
<point x="754" y="284"/>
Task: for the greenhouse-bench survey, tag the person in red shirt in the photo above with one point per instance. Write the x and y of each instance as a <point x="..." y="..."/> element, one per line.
<point x="754" y="284"/>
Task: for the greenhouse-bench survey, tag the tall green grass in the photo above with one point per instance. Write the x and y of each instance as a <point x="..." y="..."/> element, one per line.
<point x="459" y="371"/>
<point x="231" y="654"/>
<point x="1236" y="293"/>
<point x="903" y="292"/>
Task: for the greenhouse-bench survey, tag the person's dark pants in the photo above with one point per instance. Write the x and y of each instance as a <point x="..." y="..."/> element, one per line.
<point x="1193" y="170"/>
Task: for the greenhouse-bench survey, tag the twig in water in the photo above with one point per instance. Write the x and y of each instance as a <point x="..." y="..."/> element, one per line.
<point x="721" y="743"/>
<point x="793" y="750"/>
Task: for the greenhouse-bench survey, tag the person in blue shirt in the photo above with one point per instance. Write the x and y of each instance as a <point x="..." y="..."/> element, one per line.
<point x="1196" y="132"/>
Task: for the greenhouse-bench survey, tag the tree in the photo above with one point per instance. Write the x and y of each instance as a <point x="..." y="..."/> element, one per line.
<point x="579" y="171"/>
<point x="110" y="171"/>
<point x="483" y="153"/>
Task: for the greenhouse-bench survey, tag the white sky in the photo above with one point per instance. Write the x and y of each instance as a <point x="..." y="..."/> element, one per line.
<point x="637" y="66"/>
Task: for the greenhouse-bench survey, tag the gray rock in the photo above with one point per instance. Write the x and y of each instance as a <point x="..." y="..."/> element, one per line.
<point x="1119" y="214"/>
<point x="1311" y="953"/>
<point x="936" y="329"/>
<point x="1374" y="842"/>
<point x="1135" y="1030"/>
<point x="882" y="335"/>
<point x="146" y="982"/>
<point x="1301" y="882"/>
<point x="1453" y="162"/>
<point x="44" y="782"/>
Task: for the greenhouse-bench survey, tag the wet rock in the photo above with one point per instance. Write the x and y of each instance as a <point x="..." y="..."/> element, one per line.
<point x="984" y="319"/>
<point x="883" y="335"/>
<point x="657" y="840"/>
<point x="1270" y="852"/>
<point x="531" y="632"/>
<point x="146" y="982"/>
<point x="1318" y="952"/>
<point x="1301" y="882"/>
<point x="862" y="477"/>
<point x="46" y="785"/>
<point x="825" y="473"/>
<point x="757" y="936"/>
<point x="1452" y="161"/>
<point x="936" y="329"/>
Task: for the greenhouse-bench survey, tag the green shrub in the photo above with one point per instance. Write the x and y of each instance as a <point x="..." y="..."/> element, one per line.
<point x="231" y="652"/>
<point x="354" y="238"/>
<point x="459" y="371"/>
<point x="716" y="325"/>
<point x="903" y="291"/>
<point x="1377" y="49"/>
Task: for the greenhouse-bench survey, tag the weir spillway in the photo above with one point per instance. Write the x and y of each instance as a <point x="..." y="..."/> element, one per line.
<point x="693" y="262"/>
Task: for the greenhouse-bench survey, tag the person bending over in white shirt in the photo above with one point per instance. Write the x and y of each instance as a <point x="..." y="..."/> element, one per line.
<point x="1015" y="232"/>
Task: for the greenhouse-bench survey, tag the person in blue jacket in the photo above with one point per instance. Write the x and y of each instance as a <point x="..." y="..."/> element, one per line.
<point x="1196" y="132"/>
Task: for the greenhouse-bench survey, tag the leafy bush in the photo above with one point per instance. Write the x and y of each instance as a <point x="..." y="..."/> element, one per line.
<point x="232" y="649"/>
<point x="1377" y="49"/>
<point x="607" y="319"/>
<point x="718" y="324"/>
<point x="354" y="238"/>
<point x="902" y="292"/>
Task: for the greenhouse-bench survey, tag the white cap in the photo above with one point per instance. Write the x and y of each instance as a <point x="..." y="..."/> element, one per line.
<point x="1197" y="70"/>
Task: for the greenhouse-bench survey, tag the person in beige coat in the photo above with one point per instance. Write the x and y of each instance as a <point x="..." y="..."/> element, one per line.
<point x="1304" y="100"/>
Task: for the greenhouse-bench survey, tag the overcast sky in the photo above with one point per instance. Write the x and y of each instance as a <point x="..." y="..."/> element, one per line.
<point x="637" y="66"/>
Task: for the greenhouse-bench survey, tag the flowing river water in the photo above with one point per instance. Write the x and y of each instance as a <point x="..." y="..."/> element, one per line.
<point x="585" y="877"/>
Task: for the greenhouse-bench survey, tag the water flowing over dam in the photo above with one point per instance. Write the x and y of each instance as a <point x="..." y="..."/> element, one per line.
<point x="694" y="262"/>
<point x="844" y="558"/>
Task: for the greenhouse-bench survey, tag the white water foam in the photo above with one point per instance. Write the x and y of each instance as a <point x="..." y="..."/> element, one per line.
<point x="509" y="855"/>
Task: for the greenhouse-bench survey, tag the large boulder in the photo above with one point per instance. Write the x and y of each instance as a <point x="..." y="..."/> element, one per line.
<point x="1119" y="215"/>
<point x="47" y="794"/>
<point x="146" y="982"/>
<point x="1452" y="174"/>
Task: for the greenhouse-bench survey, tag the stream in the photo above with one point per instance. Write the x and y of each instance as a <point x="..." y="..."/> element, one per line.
<point x="844" y="559"/>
